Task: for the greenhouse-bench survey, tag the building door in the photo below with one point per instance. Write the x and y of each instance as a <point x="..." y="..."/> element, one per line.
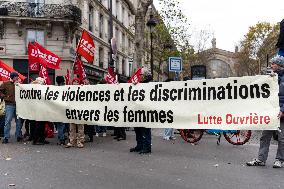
<point x="198" y="72"/>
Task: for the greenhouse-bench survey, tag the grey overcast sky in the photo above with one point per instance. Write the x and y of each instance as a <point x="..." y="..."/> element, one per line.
<point x="229" y="20"/>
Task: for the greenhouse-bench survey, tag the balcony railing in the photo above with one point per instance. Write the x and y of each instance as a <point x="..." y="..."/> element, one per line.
<point x="40" y="10"/>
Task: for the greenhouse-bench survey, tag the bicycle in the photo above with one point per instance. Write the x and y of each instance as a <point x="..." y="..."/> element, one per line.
<point x="235" y="137"/>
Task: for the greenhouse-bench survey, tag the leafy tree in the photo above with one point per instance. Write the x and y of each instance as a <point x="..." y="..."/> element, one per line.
<point x="257" y="44"/>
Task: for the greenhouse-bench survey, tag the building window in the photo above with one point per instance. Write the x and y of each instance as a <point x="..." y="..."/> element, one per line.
<point x="130" y="69"/>
<point x="129" y="18"/>
<point x="101" y="26"/>
<point x="122" y="14"/>
<point x="101" y="57"/>
<point x="123" y="42"/>
<point x="117" y="36"/>
<point x="123" y="66"/>
<point x="35" y="36"/>
<point x="109" y="57"/>
<point x="91" y="18"/>
<point x="108" y="4"/>
<point x="36" y="8"/>
<point x="109" y="30"/>
<point x="129" y="46"/>
<point x="117" y="8"/>
<point x="117" y="65"/>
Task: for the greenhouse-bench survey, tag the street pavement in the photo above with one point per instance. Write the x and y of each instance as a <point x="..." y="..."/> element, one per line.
<point x="108" y="164"/>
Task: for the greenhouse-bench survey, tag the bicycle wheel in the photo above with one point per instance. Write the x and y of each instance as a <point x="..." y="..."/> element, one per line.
<point x="191" y="135"/>
<point x="238" y="137"/>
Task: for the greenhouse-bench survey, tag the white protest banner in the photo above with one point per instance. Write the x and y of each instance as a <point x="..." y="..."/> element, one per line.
<point x="244" y="103"/>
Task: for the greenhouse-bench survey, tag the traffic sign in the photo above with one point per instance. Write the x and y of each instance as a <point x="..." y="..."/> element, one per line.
<point x="175" y="64"/>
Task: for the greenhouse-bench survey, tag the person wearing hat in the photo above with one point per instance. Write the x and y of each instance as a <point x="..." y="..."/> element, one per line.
<point x="143" y="135"/>
<point x="7" y="91"/>
<point x="277" y="64"/>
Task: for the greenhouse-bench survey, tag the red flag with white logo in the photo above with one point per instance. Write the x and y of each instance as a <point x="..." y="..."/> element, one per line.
<point x="110" y="77"/>
<point x="78" y="69"/>
<point x="136" y="78"/>
<point x="5" y="71"/>
<point x="67" y="77"/>
<point x="47" y="58"/>
<point x="33" y="58"/>
<point x="86" y="47"/>
<point x="44" y="74"/>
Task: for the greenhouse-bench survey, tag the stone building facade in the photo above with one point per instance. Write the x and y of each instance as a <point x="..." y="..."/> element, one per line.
<point x="57" y="25"/>
<point x="217" y="63"/>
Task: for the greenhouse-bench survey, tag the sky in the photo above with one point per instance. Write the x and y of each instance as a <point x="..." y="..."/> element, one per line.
<point x="229" y="20"/>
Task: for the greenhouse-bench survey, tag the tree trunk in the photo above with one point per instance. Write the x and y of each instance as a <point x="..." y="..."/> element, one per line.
<point x="140" y="31"/>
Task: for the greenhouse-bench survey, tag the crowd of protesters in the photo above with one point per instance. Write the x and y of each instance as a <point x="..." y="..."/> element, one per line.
<point x="36" y="130"/>
<point x="68" y="135"/>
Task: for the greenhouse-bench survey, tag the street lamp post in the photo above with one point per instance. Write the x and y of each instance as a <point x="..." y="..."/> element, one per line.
<point x="151" y="24"/>
<point x="111" y="58"/>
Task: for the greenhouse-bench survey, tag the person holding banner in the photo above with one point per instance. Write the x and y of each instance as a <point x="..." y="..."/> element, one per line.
<point x="277" y="64"/>
<point x="76" y="138"/>
<point x="169" y="132"/>
<point x="143" y="135"/>
<point x="39" y="126"/>
<point x="59" y="125"/>
<point x="7" y="91"/>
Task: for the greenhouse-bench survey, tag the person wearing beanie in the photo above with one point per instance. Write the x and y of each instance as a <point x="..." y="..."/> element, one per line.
<point x="61" y="127"/>
<point x="277" y="65"/>
<point x="143" y="135"/>
<point x="76" y="138"/>
<point x="7" y="91"/>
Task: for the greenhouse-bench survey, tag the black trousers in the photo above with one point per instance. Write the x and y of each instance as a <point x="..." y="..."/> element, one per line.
<point x="120" y="132"/>
<point x="143" y="138"/>
<point x="89" y="130"/>
<point x="39" y="132"/>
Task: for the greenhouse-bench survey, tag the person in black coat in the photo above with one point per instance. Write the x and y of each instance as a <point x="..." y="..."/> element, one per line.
<point x="143" y="135"/>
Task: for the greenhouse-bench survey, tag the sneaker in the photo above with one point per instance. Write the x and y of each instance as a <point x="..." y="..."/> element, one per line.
<point x="69" y="145"/>
<point x="104" y="134"/>
<point x="277" y="164"/>
<point x="97" y="135"/>
<point x="256" y="162"/>
<point x="173" y="138"/>
<point x="5" y="141"/>
<point x="166" y="138"/>
<point x="80" y="145"/>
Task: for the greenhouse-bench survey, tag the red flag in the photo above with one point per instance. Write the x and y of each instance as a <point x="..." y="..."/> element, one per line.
<point x="5" y="71"/>
<point x="44" y="74"/>
<point x="136" y="78"/>
<point x="67" y="77"/>
<point x="33" y="58"/>
<point x="79" y="69"/>
<point x="110" y="77"/>
<point x="47" y="58"/>
<point x="86" y="47"/>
